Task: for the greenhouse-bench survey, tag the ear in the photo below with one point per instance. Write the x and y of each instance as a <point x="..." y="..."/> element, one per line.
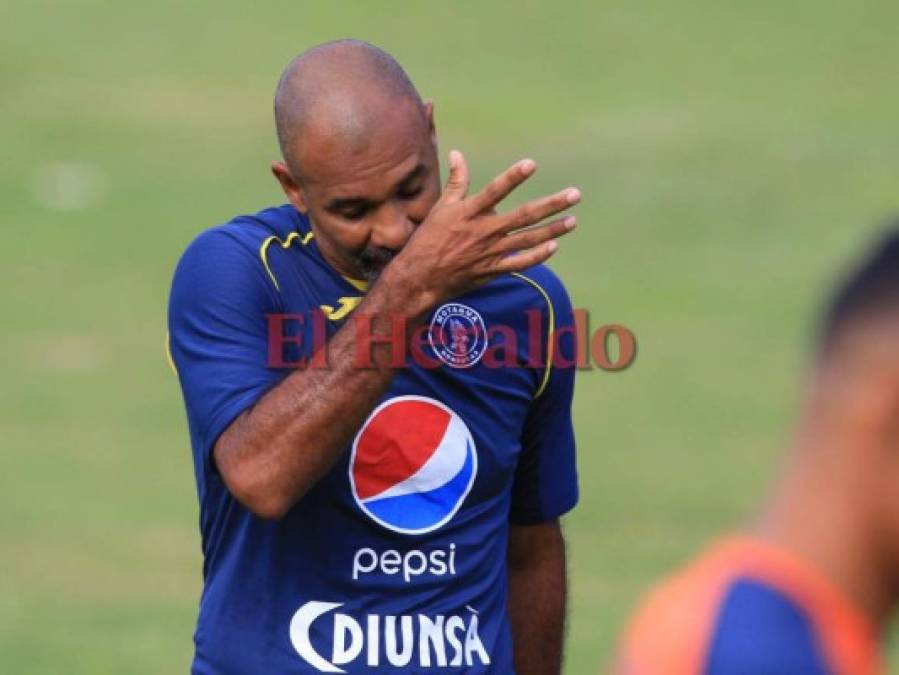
<point x="289" y="185"/>
<point x="429" y="114"/>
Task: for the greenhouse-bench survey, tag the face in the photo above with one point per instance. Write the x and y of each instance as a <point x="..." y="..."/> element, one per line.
<point x="872" y="404"/>
<point x="366" y="195"/>
<point x="886" y="468"/>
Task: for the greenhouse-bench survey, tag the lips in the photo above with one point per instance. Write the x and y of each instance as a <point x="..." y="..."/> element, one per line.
<point x="373" y="260"/>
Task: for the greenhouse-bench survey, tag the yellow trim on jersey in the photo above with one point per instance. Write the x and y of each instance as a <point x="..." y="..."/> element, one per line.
<point x="168" y="353"/>
<point x="285" y="244"/>
<point x="347" y="305"/>
<point x="550" y="331"/>
<point x="358" y="284"/>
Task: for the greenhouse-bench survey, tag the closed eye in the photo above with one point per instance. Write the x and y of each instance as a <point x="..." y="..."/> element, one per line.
<point x="406" y="194"/>
<point x="356" y="213"/>
<point x="350" y="209"/>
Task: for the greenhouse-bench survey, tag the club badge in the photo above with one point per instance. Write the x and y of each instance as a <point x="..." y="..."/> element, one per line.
<point x="458" y="335"/>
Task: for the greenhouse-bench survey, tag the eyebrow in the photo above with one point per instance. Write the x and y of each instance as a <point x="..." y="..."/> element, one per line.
<point x="350" y="202"/>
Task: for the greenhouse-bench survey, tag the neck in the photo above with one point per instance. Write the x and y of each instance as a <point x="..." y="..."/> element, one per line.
<point x="818" y="512"/>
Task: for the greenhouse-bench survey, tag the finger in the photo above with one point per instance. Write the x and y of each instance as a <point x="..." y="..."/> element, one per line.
<point x="458" y="181"/>
<point x="538" y="209"/>
<point x="519" y="241"/>
<point x="525" y="259"/>
<point x="500" y="187"/>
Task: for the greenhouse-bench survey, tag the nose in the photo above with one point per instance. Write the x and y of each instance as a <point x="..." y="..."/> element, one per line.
<point x="392" y="227"/>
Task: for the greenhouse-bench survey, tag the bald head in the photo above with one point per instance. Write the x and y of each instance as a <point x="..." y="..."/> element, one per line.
<point x="338" y="92"/>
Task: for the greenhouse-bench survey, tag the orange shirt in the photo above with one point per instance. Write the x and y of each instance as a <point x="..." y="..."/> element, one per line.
<point x="746" y="607"/>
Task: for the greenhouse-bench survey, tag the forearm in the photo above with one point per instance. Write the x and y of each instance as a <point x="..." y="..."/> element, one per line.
<point x="537" y="597"/>
<point x="274" y="452"/>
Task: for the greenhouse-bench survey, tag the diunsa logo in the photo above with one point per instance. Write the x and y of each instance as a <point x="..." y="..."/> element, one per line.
<point x="400" y="641"/>
<point x="412" y="465"/>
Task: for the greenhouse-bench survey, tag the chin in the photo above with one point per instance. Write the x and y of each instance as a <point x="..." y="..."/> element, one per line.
<point x="371" y="270"/>
<point x="371" y="275"/>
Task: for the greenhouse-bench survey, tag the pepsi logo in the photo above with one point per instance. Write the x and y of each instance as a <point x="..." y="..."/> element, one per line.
<point x="412" y="464"/>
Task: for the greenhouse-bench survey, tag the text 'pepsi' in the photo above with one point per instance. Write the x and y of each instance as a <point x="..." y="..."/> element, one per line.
<point x="438" y="562"/>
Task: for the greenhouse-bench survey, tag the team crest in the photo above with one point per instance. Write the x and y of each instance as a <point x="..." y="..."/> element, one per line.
<point x="458" y="335"/>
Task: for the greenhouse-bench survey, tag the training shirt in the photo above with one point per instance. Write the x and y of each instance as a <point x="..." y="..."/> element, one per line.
<point x="746" y="607"/>
<point x="396" y="559"/>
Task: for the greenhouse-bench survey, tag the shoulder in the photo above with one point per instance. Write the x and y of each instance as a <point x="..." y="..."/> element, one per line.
<point x="544" y="286"/>
<point x="667" y="632"/>
<point x="246" y="234"/>
<point x="761" y="628"/>
<point x="536" y="289"/>
<point x="228" y="260"/>
<point x="717" y="617"/>
<point x="243" y="240"/>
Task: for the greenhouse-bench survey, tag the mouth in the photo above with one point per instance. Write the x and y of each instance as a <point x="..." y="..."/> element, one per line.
<point x="372" y="261"/>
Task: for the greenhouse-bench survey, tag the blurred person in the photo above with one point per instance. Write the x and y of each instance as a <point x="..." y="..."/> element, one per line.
<point x="376" y="515"/>
<point x="809" y="589"/>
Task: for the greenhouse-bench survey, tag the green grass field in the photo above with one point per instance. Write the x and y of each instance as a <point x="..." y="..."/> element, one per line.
<point x="733" y="156"/>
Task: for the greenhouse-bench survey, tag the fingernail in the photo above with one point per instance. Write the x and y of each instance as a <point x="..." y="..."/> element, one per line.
<point x="527" y="166"/>
<point x="552" y="246"/>
<point x="570" y="222"/>
<point x="573" y="196"/>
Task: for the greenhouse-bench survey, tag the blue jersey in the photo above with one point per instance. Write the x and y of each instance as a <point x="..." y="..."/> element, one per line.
<point x="396" y="559"/>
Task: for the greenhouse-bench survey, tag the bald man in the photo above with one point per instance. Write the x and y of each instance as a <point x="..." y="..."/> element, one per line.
<point x="378" y="379"/>
<point x="809" y="589"/>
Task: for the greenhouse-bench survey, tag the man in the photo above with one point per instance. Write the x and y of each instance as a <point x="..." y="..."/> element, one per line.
<point x="363" y="513"/>
<point x="809" y="590"/>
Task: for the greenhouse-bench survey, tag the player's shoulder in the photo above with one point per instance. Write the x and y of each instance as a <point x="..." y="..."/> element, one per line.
<point x="239" y="246"/>
<point x="547" y="282"/>
<point x="666" y="633"/>
<point x="782" y="615"/>
<point x="536" y="288"/>
<point x="727" y="611"/>
<point x="226" y="261"/>
<point x="761" y="629"/>
<point x="248" y="233"/>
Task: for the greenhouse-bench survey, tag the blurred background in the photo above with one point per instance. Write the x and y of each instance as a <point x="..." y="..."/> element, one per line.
<point x="733" y="158"/>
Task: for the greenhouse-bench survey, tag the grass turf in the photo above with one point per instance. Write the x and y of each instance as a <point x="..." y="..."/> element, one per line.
<point x="732" y="158"/>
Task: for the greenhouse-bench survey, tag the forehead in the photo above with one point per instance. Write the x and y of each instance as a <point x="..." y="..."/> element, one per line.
<point x="341" y="162"/>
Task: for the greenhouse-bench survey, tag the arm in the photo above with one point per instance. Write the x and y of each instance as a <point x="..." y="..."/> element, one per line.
<point x="280" y="447"/>
<point x="544" y="488"/>
<point x="265" y="456"/>
<point x="537" y="595"/>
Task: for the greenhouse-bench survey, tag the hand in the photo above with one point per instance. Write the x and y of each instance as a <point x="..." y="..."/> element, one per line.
<point x="464" y="242"/>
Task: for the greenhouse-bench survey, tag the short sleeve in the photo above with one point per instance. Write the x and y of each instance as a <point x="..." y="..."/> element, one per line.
<point x="218" y="337"/>
<point x="546" y="485"/>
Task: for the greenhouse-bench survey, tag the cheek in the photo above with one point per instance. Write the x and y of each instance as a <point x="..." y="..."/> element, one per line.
<point x="421" y="207"/>
<point x="338" y="234"/>
<point x="887" y="485"/>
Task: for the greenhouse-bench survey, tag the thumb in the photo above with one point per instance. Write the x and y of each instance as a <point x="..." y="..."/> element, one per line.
<point x="457" y="183"/>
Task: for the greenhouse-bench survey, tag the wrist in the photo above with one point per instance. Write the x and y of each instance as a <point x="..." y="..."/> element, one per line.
<point x="406" y="290"/>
